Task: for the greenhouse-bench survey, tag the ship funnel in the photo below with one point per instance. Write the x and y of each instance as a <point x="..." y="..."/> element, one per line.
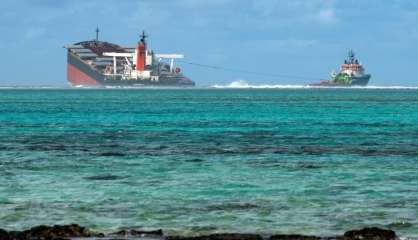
<point x="141" y="53"/>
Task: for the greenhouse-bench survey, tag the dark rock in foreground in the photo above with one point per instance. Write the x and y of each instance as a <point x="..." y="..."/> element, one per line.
<point x="149" y="234"/>
<point x="4" y="235"/>
<point x="61" y="232"/>
<point x="219" y="236"/>
<point x="48" y="232"/>
<point x="72" y="230"/>
<point x="293" y="237"/>
<point x="370" y="234"/>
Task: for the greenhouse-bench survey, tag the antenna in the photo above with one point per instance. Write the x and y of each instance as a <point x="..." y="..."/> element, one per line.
<point x="351" y="57"/>
<point x="143" y="37"/>
<point x="97" y="33"/>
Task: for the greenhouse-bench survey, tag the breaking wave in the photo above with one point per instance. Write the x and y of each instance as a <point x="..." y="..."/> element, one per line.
<point x="244" y="84"/>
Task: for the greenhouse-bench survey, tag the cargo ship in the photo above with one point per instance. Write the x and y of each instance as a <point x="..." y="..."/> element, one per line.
<point x="351" y="73"/>
<point x="97" y="63"/>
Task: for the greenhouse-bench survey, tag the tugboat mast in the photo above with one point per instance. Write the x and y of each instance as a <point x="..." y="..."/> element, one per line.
<point x="352" y="58"/>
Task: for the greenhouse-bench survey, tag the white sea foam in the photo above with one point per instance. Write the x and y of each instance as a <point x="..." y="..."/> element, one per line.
<point x="386" y="87"/>
<point x="32" y="87"/>
<point x="243" y="84"/>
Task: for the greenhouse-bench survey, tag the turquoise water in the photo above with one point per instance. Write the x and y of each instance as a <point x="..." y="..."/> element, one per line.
<point x="313" y="161"/>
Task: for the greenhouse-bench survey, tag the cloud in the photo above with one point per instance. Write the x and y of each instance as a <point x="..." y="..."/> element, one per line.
<point x="327" y="16"/>
<point x="296" y="11"/>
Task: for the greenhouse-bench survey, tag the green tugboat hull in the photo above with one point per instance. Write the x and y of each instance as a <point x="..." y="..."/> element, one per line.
<point x="353" y="81"/>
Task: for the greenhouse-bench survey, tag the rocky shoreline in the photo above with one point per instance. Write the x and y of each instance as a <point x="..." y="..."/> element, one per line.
<point x="75" y="231"/>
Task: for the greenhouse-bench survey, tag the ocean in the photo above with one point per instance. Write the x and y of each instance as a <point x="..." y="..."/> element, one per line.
<point x="196" y="161"/>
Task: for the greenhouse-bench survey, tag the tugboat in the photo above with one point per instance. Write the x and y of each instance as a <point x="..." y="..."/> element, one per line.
<point x="351" y="74"/>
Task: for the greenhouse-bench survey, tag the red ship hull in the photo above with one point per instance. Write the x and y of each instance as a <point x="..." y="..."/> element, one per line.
<point x="80" y="73"/>
<point x="78" y="78"/>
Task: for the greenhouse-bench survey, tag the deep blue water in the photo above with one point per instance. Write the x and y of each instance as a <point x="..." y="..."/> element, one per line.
<point x="313" y="161"/>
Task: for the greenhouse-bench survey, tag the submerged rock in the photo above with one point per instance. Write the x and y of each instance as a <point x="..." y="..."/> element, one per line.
<point x="195" y="160"/>
<point x="104" y="177"/>
<point x="399" y="225"/>
<point x="232" y="207"/>
<point x="111" y="154"/>
<point x="370" y="234"/>
<point x="308" y="166"/>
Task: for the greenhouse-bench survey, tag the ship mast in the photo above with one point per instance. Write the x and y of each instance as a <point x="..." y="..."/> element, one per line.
<point x="97" y="33"/>
<point x="143" y="38"/>
<point x="351" y="57"/>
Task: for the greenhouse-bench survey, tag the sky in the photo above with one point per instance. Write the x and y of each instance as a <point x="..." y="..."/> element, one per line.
<point x="296" y="42"/>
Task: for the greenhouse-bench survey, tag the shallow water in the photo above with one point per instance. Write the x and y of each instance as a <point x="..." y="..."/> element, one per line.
<point x="312" y="161"/>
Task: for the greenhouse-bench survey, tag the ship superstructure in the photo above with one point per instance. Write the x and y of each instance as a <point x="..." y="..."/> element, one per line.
<point x="99" y="63"/>
<point x="352" y="73"/>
